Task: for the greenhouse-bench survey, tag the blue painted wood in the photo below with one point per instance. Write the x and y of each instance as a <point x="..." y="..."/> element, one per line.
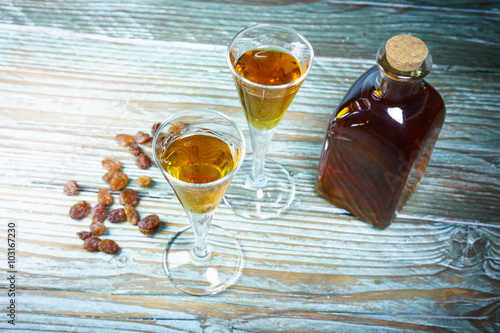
<point x="75" y="74"/>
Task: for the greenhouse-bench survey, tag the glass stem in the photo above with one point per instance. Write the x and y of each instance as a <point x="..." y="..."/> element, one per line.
<point x="200" y="224"/>
<point x="260" y="143"/>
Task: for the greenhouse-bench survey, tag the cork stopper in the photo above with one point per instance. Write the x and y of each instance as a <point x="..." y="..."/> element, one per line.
<point x="406" y="53"/>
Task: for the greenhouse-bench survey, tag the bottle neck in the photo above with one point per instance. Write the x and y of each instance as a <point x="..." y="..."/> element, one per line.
<point x="396" y="90"/>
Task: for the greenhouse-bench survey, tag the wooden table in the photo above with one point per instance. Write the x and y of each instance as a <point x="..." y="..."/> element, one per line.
<point x="73" y="74"/>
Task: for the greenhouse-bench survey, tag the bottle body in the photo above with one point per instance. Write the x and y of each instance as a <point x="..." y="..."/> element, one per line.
<point x="378" y="143"/>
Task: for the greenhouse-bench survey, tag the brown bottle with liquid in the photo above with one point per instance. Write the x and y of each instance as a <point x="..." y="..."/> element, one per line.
<point x="379" y="140"/>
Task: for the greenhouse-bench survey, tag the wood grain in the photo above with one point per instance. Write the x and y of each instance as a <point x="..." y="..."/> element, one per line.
<point x="325" y="23"/>
<point x="75" y="74"/>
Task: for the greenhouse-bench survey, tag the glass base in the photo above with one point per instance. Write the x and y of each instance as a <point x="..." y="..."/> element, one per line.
<point x="260" y="201"/>
<point x="203" y="276"/>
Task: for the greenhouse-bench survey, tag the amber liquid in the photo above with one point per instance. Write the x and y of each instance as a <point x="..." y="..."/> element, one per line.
<point x="198" y="159"/>
<point x="263" y="107"/>
<point x="377" y="146"/>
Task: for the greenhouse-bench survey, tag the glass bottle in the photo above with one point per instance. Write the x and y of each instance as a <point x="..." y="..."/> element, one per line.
<point x="379" y="140"/>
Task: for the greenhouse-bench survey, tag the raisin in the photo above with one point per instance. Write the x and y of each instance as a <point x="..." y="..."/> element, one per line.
<point x="111" y="164"/>
<point x="104" y="197"/>
<point x="118" y="181"/>
<point x="92" y="244"/>
<point x="84" y="234"/>
<point x="79" y="210"/>
<point x="109" y="246"/>
<point x="155" y="128"/>
<point x="117" y="215"/>
<point x="149" y="142"/>
<point x="108" y="176"/>
<point x="70" y="188"/>
<point x="98" y="213"/>
<point x="141" y="137"/>
<point x="128" y="196"/>
<point x="149" y="224"/>
<point x="134" y="149"/>
<point x="97" y="228"/>
<point x="131" y="213"/>
<point x="143" y="161"/>
<point x="124" y="139"/>
<point x="176" y="128"/>
<point x="144" y="181"/>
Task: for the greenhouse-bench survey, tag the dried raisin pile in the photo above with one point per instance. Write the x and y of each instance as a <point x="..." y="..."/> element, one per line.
<point x="129" y="196"/>
<point x="117" y="215"/>
<point x="149" y="224"/>
<point x="70" y="188"/>
<point x="79" y="210"/>
<point x="98" y="213"/>
<point x="118" y="181"/>
<point x="108" y="246"/>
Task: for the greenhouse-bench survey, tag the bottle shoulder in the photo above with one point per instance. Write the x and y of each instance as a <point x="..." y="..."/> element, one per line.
<point x="366" y="99"/>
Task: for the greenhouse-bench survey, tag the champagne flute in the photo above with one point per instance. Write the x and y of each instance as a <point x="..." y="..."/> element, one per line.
<point x="269" y="63"/>
<point x="199" y="151"/>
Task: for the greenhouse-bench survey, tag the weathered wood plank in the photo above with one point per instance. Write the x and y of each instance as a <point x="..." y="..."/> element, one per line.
<point x="333" y="27"/>
<point x="160" y="311"/>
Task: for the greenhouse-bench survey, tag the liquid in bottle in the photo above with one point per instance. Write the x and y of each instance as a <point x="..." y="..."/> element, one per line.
<point x="379" y="140"/>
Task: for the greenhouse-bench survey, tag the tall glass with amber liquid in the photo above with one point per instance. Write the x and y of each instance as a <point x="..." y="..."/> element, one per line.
<point x="269" y="64"/>
<point x="199" y="151"/>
